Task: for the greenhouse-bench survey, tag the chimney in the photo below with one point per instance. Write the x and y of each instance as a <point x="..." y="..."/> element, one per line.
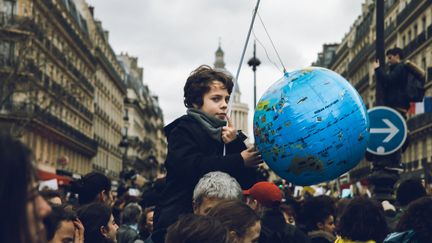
<point x="91" y="9"/>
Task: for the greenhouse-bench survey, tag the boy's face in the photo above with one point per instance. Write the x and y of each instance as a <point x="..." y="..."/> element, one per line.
<point x="215" y="101"/>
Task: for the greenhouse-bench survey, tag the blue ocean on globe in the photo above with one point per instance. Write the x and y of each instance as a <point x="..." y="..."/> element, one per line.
<point x="311" y="126"/>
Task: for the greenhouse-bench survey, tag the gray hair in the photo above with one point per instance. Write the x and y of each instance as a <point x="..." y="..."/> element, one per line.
<point x="131" y="213"/>
<point x="218" y="185"/>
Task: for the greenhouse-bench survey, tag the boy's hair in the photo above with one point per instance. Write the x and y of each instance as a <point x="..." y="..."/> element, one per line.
<point x="395" y="51"/>
<point x="408" y="191"/>
<point x="236" y="215"/>
<point x="90" y="186"/>
<point x="197" y="228"/>
<point x="362" y="220"/>
<point x="198" y="83"/>
<point x="93" y="216"/>
<point x="53" y="221"/>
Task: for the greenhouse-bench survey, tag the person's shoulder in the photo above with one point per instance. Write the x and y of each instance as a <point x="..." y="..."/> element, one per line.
<point x="184" y="121"/>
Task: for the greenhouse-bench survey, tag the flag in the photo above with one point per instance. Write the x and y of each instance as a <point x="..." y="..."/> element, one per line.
<point x="421" y="107"/>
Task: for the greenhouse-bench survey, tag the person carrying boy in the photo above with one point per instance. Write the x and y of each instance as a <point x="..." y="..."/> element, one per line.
<point x="196" y="143"/>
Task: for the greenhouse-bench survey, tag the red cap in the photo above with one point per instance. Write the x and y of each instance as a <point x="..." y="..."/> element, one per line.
<point x="266" y="193"/>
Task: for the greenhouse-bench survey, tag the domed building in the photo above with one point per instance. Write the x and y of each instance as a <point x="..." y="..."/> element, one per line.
<point x="239" y="110"/>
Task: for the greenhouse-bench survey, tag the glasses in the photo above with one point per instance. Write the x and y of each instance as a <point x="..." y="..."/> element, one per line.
<point x="33" y="193"/>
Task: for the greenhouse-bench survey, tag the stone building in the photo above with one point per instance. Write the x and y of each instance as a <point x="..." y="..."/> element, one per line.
<point x="239" y="110"/>
<point x="143" y="138"/>
<point x="47" y="75"/>
<point x="408" y="25"/>
<point x="62" y="89"/>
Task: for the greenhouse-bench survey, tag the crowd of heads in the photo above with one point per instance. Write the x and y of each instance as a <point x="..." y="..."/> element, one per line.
<point x="222" y="211"/>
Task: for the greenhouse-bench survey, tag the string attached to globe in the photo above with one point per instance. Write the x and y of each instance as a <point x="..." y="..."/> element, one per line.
<point x="311" y="125"/>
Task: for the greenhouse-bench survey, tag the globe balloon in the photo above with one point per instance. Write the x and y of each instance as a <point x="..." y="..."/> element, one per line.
<point x="311" y="126"/>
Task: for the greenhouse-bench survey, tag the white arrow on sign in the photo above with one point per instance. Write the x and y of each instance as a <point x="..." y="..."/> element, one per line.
<point x="392" y="130"/>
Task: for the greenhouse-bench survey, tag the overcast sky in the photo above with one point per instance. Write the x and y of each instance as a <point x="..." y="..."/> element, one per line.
<point x="173" y="37"/>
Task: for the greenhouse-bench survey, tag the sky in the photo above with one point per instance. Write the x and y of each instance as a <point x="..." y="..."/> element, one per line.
<point x="173" y="37"/>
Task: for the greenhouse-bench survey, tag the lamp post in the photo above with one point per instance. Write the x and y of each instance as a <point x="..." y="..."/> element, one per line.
<point x="254" y="63"/>
<point x="124" y="143"/>
<point x="385" y="169"/>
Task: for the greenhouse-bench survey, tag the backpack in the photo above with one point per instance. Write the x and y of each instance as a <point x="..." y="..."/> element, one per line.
<point x="415" y="82"/>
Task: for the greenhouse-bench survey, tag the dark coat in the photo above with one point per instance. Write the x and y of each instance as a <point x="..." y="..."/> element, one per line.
<point x="394" y="83"/>
<point x="126" y="234"/>
<point x="191" y="154"/>
<point x="274" y="229"/>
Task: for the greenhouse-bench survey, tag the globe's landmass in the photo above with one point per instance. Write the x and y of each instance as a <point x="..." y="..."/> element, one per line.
<point x="311" y="126"/>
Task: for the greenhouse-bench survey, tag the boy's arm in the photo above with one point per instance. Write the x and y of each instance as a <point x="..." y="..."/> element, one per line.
<point x="186" y="159"/>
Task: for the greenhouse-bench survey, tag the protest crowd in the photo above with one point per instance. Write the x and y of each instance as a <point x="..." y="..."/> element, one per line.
<point x="212" y="192"/>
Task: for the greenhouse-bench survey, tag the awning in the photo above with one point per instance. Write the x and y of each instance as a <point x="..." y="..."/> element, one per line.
<point x="62" y="180"/>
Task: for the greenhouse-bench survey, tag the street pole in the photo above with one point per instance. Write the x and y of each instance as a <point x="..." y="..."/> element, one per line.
<point x="384" y="172"/>
<point x="379" y="95"/>
<point x="254" y="63"/>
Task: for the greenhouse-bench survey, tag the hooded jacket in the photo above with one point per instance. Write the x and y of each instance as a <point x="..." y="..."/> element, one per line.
<point x="192" y="153"/>
<point x="394" y="84"/>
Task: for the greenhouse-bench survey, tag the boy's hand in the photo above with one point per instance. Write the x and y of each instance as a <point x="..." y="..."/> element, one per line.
<point x="376" y="64"/>
<point x="79" y="231"/>
<point x="229" y="133"/>
<point x="251" y="157"/>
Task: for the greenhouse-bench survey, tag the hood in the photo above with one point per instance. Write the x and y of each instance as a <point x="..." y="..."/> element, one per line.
<point x="168" y="128"/>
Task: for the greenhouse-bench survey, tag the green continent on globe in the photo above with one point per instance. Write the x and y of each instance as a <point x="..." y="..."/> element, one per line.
<point x="300" y="165"/>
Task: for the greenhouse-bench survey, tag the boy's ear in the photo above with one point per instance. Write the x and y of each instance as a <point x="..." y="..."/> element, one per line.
<point x="194" y="206"/>
<point x="103" y="230"/>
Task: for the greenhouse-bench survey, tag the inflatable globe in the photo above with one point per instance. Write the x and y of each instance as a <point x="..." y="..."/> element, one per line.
<point x="311" y="126"/>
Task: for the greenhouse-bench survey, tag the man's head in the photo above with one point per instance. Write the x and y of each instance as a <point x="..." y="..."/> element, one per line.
<point x="197" y="228"/>
<point x="93" y="187"/>
<point x="394" y="55"/>
<point x="212" y="188"/>
<point x="408" y="191"/>
<point x="208" y="90"/>
<point x="243" y="222"/>
<point x="98" y="222"/>
<point x="52" y="196"/>
<point x="131" y="214"/>
<point x="59" y="225"/>
<point x="263" y="194"/>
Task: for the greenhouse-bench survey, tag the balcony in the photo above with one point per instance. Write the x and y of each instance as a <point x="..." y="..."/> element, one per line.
<point x="390" y="29"/>
<point x="25" y="110"/>
<point x="362" y="83"/>
<point x="338" y="54"/>
<point x="58" y="15"/>
<point x="360" y="58"/>
<point x="407" y="11"/>
<point x="107" y="64"/>
<point x="429" y="73"/>
<point x="59" y="91"/>
<point x="414" y="44"/>
<point x="363" y="28"/>
<point x="419" y="121"/>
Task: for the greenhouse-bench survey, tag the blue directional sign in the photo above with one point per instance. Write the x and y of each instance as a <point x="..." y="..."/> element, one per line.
<point x="388" y="130"/>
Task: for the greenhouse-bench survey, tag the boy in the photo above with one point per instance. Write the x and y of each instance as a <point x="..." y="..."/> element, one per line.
<point x="195" y="146"/>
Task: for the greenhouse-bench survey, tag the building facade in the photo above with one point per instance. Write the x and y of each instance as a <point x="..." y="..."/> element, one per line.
<point x="62" y="88"/>
<point x="408" y="25"/>
<point x="46" y="81"/>
<point x="239" y="110"/>
<point x="143" y="138"/>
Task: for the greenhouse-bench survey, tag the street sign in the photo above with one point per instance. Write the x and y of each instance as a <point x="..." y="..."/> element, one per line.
<point x="388" y="130"/>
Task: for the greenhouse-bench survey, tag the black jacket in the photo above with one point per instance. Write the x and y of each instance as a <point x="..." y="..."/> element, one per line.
<point x="394" y="84"/>
<point x="274" y="229"/>
<point x="191" y="154"/>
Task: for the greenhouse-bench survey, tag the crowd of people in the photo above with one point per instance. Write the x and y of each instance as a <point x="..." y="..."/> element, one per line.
<point x="221" y="211"/>
<point x="210" y="194"/>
